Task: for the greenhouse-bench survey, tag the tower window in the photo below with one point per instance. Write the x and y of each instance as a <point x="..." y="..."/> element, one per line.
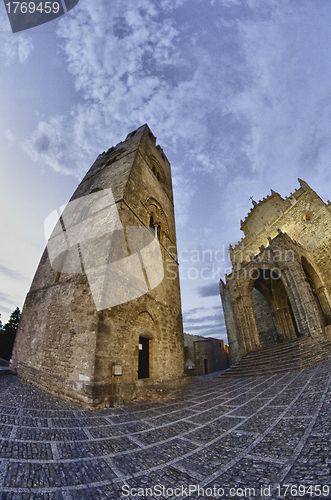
<point x="151" y="224"/>
<point x="155" y="227"/>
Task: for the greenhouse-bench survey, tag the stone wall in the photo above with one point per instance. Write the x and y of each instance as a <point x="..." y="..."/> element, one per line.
<point x="210" y="355"/>
<point x="264" y="319"/>
<point x="65" y="344"/>
<point x="189" y="352"/>
<point x="284" y="256"/>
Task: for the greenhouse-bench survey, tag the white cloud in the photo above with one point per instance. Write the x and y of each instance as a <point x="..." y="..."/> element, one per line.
<point x="237" y="92"/>
<point x="13" y="46"/>
<point x="117" y="60"/>
<point x="49" y="144"/>
<point x="11" y="138"/>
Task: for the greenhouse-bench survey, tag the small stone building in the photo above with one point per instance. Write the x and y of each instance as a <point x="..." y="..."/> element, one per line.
<point x="103" y="314"/>
<point x="280" y="285"/>
<point x="205" y="355"/>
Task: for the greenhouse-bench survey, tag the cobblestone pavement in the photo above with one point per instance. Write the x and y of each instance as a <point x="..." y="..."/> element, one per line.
<point x="222" y="438"/>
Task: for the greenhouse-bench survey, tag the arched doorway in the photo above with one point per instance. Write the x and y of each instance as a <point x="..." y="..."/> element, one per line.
<point x="272" y="308"/>
<point x="317" y="288"/>
<point x="144" y="342"/>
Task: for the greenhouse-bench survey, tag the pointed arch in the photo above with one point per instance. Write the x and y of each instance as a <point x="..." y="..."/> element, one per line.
<point x="157" y="217"/>
<point x="157" y="169"/>
<point x="142" y="324"/>
<point x="317" y="287"/>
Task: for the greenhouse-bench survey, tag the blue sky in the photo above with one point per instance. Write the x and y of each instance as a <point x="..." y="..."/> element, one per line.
<point x="237" y="92"/>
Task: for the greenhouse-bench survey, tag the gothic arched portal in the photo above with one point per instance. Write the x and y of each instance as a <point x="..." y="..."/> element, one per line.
<point x="272" y="308"/>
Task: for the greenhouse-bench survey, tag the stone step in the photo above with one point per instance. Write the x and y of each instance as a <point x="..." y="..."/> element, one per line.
<point x="157" y="392"/>
<point x="6" y="370"/>
<point x="246" y="372"/>
<point x="293" y="348"/>
<point x="287" y="356"/>
<point x="282" y="347"/>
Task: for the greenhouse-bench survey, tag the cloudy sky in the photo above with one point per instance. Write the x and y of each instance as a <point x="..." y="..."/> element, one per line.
<point x="238" y="93"/>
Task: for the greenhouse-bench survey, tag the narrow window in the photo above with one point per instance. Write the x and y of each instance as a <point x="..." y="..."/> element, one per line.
<point x="151" y="224"/>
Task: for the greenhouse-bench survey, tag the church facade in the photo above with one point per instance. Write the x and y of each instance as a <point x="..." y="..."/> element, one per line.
<point x="103" y="314"/>
<point x="280" y="285"/>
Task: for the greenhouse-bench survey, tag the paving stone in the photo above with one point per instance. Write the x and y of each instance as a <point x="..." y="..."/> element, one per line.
<point x="246" y="478"/>
<point x="219" y="433"/>
<point x="263" y="419"/>
<point x="153" y="456"/>
<point x="25" y="451"/>
<point x="166" y="432"/>
<point x="211" y="414"/>
<point x="95" y="448"/>
<point x="212" y="458"/>
<point x="5" y="430"/>
<point x="214" y="429"/>
<point x="28" y="434"/>
<point x="283" y="439"/>
<point x="250" y="408"/>
<point x="119" y="430"/>
<point x="49" y="475"/>
<point x="57" y="495"/>
<point x="108" y="492"/>
<point x="171" y="417"/>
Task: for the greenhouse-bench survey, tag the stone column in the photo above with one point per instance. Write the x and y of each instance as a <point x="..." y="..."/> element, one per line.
<point x="302" y="301"/>
<point x="246" y="325"/>
<point x="230" y="324"/>
<point x="284" y="323"/>
<point x="324" y="302"/>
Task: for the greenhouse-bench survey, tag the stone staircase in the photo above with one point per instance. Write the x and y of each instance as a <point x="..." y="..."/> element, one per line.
<point x="4" y="368"/>
<point x="290" y="355"/>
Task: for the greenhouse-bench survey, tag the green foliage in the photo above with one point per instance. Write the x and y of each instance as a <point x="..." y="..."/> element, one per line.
<point x="12" y="325"/>
<point x="8" y="333"/>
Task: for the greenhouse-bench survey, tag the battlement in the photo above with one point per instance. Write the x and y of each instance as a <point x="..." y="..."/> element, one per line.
<point x="264" y="217"/>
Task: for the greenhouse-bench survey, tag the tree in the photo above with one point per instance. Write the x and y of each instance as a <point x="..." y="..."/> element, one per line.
<point x="8" y="333"/>
<point x="12" y="325"/>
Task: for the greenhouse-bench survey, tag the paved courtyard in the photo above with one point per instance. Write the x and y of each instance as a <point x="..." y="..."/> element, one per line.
<point x="222" y="438"/>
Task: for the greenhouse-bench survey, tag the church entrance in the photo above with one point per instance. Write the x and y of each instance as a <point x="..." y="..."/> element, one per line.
<point x="272" y="309"/>
<point x="143" y="358"/>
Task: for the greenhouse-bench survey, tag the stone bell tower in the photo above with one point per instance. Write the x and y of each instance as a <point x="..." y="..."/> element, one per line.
<point x="106" y="291"/>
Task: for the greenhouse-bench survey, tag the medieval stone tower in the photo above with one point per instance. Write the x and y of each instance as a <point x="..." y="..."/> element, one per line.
<point x="280" y="285"/>
<point x="106" y="291"/>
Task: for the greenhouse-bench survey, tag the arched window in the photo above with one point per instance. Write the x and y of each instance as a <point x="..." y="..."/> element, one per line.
<point x="157" y="221"/>
<point x="151" y="224"/>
